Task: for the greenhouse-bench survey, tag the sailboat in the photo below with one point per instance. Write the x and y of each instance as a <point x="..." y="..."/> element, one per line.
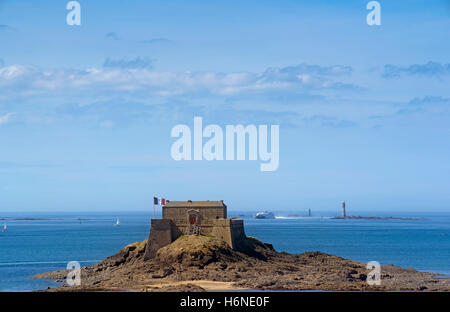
<point x="117" y="222"/>
<point x="4" y="228"/>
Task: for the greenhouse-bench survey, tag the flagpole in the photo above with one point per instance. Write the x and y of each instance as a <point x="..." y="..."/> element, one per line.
<point x="153" y="208"/>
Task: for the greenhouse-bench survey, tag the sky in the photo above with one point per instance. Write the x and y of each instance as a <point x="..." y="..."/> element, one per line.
<point x="86" y="111"/>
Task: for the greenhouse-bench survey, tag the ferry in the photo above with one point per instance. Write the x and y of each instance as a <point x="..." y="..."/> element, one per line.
<point x="265" y="215"/>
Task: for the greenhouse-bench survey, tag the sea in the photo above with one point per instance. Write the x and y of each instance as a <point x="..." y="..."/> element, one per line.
<point x="39" y="242"/>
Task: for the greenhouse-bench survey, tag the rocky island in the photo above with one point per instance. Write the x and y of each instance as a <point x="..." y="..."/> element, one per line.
<point x="202" y="263"/>
<point x="195" y="247"/>
<point x="377" y="218"/>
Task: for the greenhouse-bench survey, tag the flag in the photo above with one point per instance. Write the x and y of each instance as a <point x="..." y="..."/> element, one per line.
<point x="163" y="201"/>
<point x="155" y="200"/>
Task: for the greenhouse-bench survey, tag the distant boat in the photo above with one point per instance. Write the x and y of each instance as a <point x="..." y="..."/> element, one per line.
<point x="117" y="222"/>
<point x="265" y="215"/>
<point x="4" y="228"/>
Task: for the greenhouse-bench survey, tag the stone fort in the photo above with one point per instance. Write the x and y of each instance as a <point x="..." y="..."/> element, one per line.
<point x="193" y="217"/>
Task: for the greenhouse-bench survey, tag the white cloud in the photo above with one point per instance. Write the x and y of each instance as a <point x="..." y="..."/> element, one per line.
<point x="31" y="81"/>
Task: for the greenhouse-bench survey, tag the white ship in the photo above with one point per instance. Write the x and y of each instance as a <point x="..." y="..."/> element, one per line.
<point x="265" y="215"/>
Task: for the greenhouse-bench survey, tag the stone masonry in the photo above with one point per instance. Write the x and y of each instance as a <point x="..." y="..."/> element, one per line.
<point x="193" y="218"/>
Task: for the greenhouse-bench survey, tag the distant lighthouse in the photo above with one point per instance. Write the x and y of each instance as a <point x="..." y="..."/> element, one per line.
<point x="343" y="210"/>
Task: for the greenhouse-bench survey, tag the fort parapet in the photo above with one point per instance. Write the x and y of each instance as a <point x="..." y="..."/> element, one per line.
<point x="193" y="217"/>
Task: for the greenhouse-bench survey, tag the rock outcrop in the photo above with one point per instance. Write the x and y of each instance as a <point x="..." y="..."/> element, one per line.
<point x="191" y="262"/>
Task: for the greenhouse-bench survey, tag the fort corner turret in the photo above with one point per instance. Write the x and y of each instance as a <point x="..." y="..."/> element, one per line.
<point x="193" y="217"/>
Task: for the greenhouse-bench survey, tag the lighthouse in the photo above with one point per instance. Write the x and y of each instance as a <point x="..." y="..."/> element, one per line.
<point x="343" y="210"/>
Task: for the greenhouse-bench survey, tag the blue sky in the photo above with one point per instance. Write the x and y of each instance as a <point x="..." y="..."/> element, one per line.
<point x="86" y="111"/>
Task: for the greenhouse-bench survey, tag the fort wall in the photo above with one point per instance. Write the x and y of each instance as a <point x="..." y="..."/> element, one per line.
<point x="178" y="215"/>
<point x="209" y="219"/>
<point x="162" y="233"/>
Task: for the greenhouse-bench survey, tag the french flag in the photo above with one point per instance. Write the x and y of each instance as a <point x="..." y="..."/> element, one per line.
<point x="159" y="201"/>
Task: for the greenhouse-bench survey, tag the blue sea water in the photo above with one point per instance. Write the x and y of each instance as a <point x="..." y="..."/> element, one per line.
<point x="29" y="247"/>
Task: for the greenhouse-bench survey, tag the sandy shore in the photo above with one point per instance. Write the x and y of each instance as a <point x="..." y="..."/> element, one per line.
<point x="205" y="284"/>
